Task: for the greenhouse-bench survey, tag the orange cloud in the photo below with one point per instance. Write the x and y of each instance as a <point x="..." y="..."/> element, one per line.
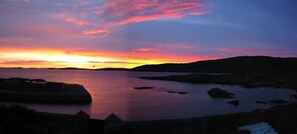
<point x="158" y="58"/>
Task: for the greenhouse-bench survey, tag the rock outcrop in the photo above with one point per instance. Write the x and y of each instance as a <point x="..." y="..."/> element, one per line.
<point x="139" y="88"/>
<point x="234" y="102"/>
<point x="219" y="93"/>
<point x="41" y="91"/>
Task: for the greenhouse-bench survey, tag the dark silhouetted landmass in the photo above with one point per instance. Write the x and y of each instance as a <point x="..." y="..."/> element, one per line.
<point x="283" y="118"/>
<point x="250" y="72"/>
<point x="72" y="68"/>
<point x="41" y="91"/>
<point x="243" y="64"/>
<point x="11" y="68"/>
<point x="252" y="80"/>
<point x="113" y="69"/>
<point x="75" y="68"/>
<point x="20" y="120"/>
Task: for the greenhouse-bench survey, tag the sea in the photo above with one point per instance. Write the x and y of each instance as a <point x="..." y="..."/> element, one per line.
<point x="113" y="92"/>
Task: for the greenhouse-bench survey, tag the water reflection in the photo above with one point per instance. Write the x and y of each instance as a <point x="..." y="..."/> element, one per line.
<point x="112" y="91"/>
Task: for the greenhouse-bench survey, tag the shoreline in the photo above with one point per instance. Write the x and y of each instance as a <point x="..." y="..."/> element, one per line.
<point x="253" y="80"/>
<point x="283" y="118"/>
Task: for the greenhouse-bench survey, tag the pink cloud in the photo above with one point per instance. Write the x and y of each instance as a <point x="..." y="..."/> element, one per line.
<point x="19" y="0"/>
<point x="140" y="18"/>
<point x="114" y="13"/>
<point x="162" y="47"/>
<point x="32" y="30"/>
<point x="62" y="4"/>
<point x="145" y="50"/>
<point x="122" y="12"/>
<point x="1" y="6"/>
<point x="61" y="15"/>
<point x="183" y="46"/>
<point x="65" y="16"/>
<point x="144" y="10"/>
<point x="84" y="3"/>
<point x="95" y="31"/>
<point x="77" y="21"/>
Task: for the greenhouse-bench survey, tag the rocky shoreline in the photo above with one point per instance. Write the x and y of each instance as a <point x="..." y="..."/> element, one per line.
<point x="252" y="80"/>
<point x="16" y="119"/>
<point x="283" y="118"/>
<point x="21" y="120"/>
<point x="41" y="91"/>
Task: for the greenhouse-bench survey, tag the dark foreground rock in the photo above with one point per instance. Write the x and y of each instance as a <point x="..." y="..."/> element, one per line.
<point x="20" y="120"/>
<point x="41" y="91"/>
<point x="234" y="102"/>
<point x="282" y="118"/>
<point x="112" y="118"/>
<point x="219" y="93"/>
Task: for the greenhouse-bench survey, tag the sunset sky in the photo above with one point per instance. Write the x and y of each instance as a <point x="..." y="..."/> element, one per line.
<point x="129" y="33"/>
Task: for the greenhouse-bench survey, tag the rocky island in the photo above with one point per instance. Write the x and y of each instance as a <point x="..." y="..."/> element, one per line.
<point x="41" y="91"/>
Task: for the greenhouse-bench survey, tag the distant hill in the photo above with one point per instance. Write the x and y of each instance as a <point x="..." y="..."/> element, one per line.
<point x="113" y="69"/>
<point x="242" y="64"/>
<point x="103" y="69"/>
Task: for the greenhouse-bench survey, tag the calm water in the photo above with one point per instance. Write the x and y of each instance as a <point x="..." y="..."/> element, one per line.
<point x="112" y="91"/>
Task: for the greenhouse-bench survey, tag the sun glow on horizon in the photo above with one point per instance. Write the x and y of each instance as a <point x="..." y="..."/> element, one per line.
<point x="34" y="57"/>
<point x="60" y="59"/>
<point x="56" y="60"/>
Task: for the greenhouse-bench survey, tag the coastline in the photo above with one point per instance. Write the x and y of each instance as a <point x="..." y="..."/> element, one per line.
<point x="283" y="118"/>
<point x="227" y="123"/>
<point x="247" y="80"/>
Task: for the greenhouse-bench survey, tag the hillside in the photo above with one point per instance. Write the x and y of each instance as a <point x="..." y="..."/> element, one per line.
<point x="242" y="64"/>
